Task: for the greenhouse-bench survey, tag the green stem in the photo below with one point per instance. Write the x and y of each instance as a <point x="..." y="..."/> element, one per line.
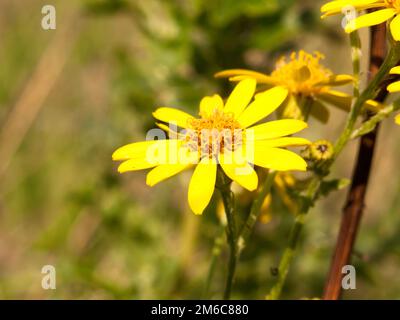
<point x="232" y="233"/>
<point x="369" y="125"/>
<point x="355" y="43"/>
<point x="369" y="93"/>
<point x="231" y="230"/>
<point x="294" y="237"/>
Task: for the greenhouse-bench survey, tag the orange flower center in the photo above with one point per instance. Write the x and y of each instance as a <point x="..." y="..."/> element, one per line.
<point x="214" y="134"/>
<point x="395" y="4"/>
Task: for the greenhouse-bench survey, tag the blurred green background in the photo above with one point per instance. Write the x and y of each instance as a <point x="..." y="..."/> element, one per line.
<point x="110" y="236"/>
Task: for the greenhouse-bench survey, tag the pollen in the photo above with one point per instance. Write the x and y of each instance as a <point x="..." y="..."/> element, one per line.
<point x="214" y="134"/>
<point x="302" y="73"/>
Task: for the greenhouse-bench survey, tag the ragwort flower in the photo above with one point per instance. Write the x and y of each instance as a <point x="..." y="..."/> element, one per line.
<point x="225" y="135"/>
<point x="385" y="11"/>
<point x="395" y="87"/>
<point x="308" y="82"/>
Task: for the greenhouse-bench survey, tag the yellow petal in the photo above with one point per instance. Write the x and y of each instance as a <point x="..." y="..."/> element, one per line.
<point x="239" y="170"/>
<point x="164" y="172"/>
<point x="240" y="78"/>
<point x="276" y="129"/>
<point x="395" y="70"/>
<point x="135" y="164"/>
<point x="282" y="186"/>
<point x="397" y="119"/>
<point x="202" y="184"/>
<point x="338" y="5"/>
<point x="373" y="105"/>
<point x="133" y="150"/>
<point x="395" y="28"/>
<point x="171" y="130"/>
<point x="343" y="101"/>
<point x="337" y="98"/>
<point x="277" y="159"/>
<point x="346" y="9"/>
<point x="240" y="97"/>
<point x="337" y="80"/>
<point x="209" y="104"/>
<point x="171" y="115"/>
<point x="370" y="19"/>
<point x="265" y="103"/>
<point x="163" y="126"/>
<point x="152" y="152"/>
<point x="394" y="87"/>
<point x="233" y="73"/>
<point x="141" y="149"/>
<point x="284" y="142"/>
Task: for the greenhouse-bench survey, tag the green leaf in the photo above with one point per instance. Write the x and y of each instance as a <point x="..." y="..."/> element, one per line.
<point x="333" y="185"/>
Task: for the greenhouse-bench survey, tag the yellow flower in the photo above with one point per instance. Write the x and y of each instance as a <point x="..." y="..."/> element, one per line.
<point x="306" y="80"/>
<point x="395" y="87"/>
<point x="224" y="135"/>
<point x="386" y="10"/>
<point x="283" y="182"/>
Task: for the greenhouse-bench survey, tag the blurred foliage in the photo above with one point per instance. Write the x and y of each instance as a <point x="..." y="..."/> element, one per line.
<point x="111" y="236"/>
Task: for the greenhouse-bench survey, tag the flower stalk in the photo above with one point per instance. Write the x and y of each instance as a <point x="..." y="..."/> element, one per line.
<point x="371" y="92"/>
<point x="231" y="230"/>
<point x="294" y="237"/>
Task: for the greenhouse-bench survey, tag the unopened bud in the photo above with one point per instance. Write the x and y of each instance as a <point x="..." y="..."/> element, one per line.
<point x="319" y="150"/>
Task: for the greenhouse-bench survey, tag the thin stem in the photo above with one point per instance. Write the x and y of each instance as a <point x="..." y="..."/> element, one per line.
<point x="294" y="237"/>
<point x="231" y="230"/>
<point x="370" y="124"/>
<point x="355" y="43"/>
<point x="369" y="93"/>
<point x="244" y="233"/>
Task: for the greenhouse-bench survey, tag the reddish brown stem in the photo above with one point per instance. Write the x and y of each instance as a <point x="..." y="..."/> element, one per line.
<point x="354" y="206"/>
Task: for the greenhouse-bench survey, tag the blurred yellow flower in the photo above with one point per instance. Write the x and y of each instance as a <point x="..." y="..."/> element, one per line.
<point x="283" y="182"/>
<point x="224" y="135"/>
<point x="395" y="87"/>
<point x="308" y="82"/>
<point x="385" y="11"/>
